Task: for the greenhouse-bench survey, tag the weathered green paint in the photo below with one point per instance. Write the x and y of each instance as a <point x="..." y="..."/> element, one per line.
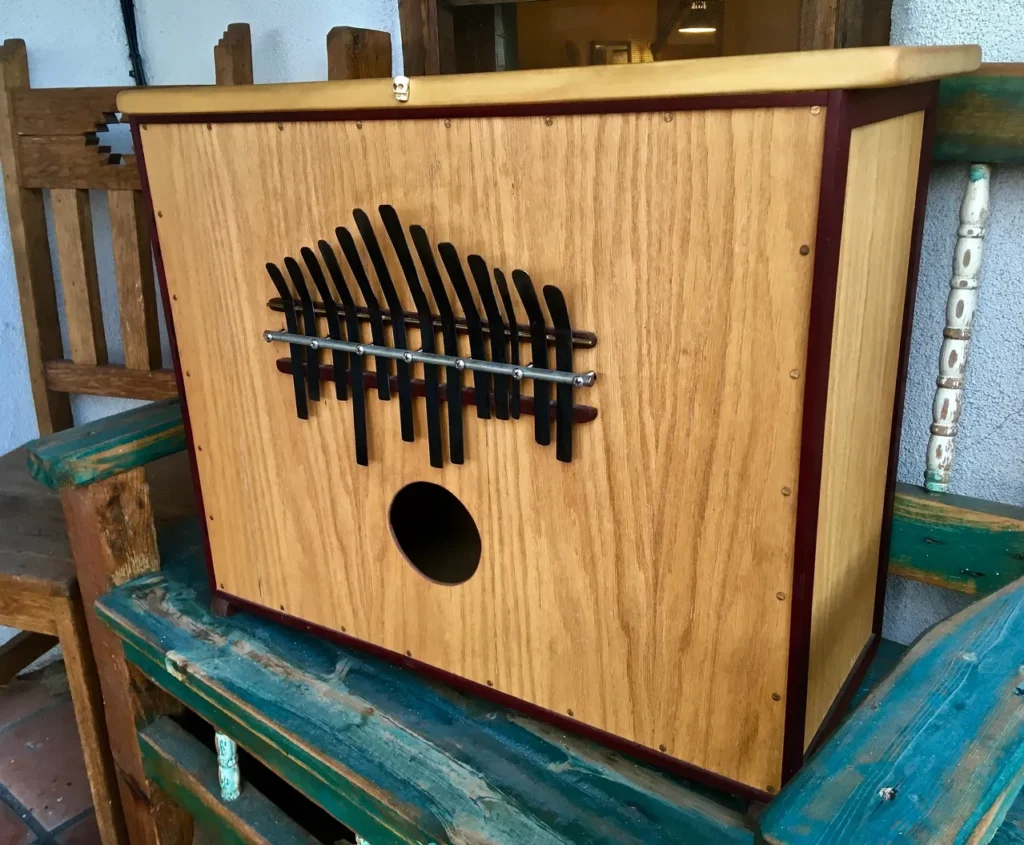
<point x="944" y="730"/>
<point x="187" y="771"/>
<point x="981" y="116"/>
<point x="956" y="542"/>
<point x="390" y="755"/>
<point x="89" y="453"/>
<point x="1011" y="831"/>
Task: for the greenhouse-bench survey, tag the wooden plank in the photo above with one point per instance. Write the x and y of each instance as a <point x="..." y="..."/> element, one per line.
<point x="19" y="651"/>
<point x="28" y="611"/>
<point x="67" y="161"/>
<point x="27" y="221"/>
<point x="187" y="771"/>
<point x="388" y="754"/>
<point x="874" y="254"/>
<point x="1011" y="831"/>
<point x="650" y="592"/>
<point x="69" y="615"/>
<point x="107" y="447"/>
<point x="981" y="116"/>
<point x="232" y="56"/>
<point x="868" y="67"/>
<point x="354" y="53"/>
<point x="72" y="223"/>
<point x="944" y="731"/>
<point x="64" y="111"/>
<point x="956" y="542"/>
<point x="111" y="380"/>
<point x="136" y="289"/>
<point x="829" y="24"/>
<point x="110" y="525"/>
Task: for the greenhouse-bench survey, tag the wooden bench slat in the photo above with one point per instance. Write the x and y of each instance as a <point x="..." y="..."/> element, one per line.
<point x="136" y="289"/>
<point x="63" y="111"/>
<point x="956" y="542"/>
<point x="66" y="161"/>
<point x="111" y="380"/>
<point x="72" y="223"/>
<point x="981" y="116"/>
<point x="944" y="731"/>
<point x="187" y="771"/>
<point x="388" y="754"/>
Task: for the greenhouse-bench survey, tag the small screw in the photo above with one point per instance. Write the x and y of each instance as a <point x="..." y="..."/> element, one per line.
<point x="887" y="793"/>
<point x="221" y="586"/>
<point x="815" y="109"/>
<point x="548" y="121"/>
<point x="280" y="126"/>
<point x="517" y="374"/>
<point x="669" y="117"/>
<point x="408" y="357"/>
<point x="145" y="126"/>
<point x="314" y="344"/>
<point x="281" y="606"/>
<point x="199" y="448"/>
<point x="211" y="517"/>
<point x="662" y="748"/>
<point x="174" y="297"/>
<point x="805" y="250"/>
<point x="781" y="596"/>
<point x="1019" y="689"/>
<point x="569" y="712"/>
<point x="578" y="381"/>
<point x="489" y="683"/>
<point x="266" y="336"/>
<point x="343" y="629"/>
<point x="447" y="124"/>
<point x="159" y="214"/>
<point x="794" y="374"/>
<point x="188" y="374"/>
<point x="360" y="349"/>
<point x="770" y="789"/>
<point x="460" y="364"/>
<point x="776" y="697"/>
<point x="786" y="491"/>
<point x="408" y="654"/>
<point x="209" y="126"/>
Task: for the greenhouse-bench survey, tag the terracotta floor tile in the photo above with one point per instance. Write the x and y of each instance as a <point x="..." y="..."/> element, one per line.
<point x="20" y="698"/>
<point x="12" y="829"/>
<point x="41" y="765"/>
<point x="83" y="832"/>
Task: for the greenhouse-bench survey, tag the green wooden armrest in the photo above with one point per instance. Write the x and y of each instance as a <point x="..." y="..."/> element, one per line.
<point x="89" y="453"/>
<point x="934" y="754"/>
<point x="981" y="116"/>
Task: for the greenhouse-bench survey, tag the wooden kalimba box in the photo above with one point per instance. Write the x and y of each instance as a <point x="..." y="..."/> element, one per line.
<point x="580" y="386"/>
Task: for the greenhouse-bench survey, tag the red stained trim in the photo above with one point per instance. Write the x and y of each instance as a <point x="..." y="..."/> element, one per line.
<point x="876" y="105"/>
<point x="734" y="101"/>
<point x="624" y="746"/>
<point x="178" y="374"/>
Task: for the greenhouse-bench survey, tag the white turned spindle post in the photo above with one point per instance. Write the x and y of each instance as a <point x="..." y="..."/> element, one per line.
<point x="227" y="767"/>
<point x="956" y="342"/>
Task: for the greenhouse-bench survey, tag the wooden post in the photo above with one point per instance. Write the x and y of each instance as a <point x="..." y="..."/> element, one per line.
<point x="113" y="539"/>
<point x="354" y="53"/>
<point x="428" y="37"/>
<point x="31" y="254"/>
<point x="826" y="24"/>
<point x="956" y="344"/>
<point x="232" y="57"/>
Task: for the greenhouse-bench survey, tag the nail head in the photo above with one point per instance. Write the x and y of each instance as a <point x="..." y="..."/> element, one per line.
<point x="794" y="374"/>
<point x="548" y="121"/>
<point x="815" y="109"/>
<point x="776" y="697"/>
<point x="786" y="491"/>
<point x="805" y="250"/>
<point x="780" y="596"/>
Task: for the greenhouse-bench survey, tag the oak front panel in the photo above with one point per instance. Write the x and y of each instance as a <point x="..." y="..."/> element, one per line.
<point x="635" y="588"/>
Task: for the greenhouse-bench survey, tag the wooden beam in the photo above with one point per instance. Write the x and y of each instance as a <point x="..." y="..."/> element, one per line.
<point x="64" y="111"/>
<point x="981" y="116"/>
<point x="428" y="37"/>
<point x="110" y="380"/>
<point x="828" y="24"/>
<point x="67" y="161"/>
<point x="32" y="268"/>
<point x="354" y="53"/>
<point x="232" y="56"/>
<point x="19" y="651"/>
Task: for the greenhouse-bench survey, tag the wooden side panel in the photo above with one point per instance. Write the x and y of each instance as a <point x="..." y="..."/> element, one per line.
<point x="633" y="589"/>
<point x="873" y="260"/>
<point x="136" y="291"/>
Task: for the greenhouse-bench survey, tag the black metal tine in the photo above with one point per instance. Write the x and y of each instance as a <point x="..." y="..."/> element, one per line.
<point x="292" y="323"/>
<point x="338" y="358"/>
<point x="309" y="326"/>
<point x="539" y="343"/>
<point x="513" y="331"/>
<point x="355" y="361"/>
<point x="380" y="267"/>
<point x="482" y="277"/>
<point x="453" y="377"/>
<point x="563" y="361"/>
<point x="383" y="367"/>
<point x="481" y="381"/>
<point x="393" y="226"/>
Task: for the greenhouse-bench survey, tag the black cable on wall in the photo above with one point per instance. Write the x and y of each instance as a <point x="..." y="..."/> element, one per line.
<point x="138" y="71"/>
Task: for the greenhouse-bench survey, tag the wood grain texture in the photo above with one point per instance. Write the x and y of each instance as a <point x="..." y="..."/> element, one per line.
<point x="26" y="218"/>
<point x="945" y="730"/>
<point x="1011" y="831"/>
<point x="113" y="539"/>
<point x="64" y="111"/>
<point x="187" y="771"/>
<point x="67" y="161"/>
<point x="27" y="611"/>
<point x="873" y="258"/>
<point x="107" y="447"/>
<point x="390" y="755"/>
<point x="19" y="651"/>
<point x="111" y="380"/>
<point x="72" y="223"/>
<point x="354" y="53"/>
<point x="656" y="597"/>
<point x="136" y="290"/>
<point x="868" y="67"/>
<point x="956" y="542"/>
<point x="232" y="56"/>
<point x="84" y="683"/>
<point x="981" y="116"/>
<point x="829" y="24"/>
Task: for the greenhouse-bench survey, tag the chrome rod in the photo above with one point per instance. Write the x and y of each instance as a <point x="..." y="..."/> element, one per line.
<point x="410" y="356"/>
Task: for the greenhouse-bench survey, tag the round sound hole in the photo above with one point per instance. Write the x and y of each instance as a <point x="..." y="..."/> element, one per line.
<point x="435" y="532"/>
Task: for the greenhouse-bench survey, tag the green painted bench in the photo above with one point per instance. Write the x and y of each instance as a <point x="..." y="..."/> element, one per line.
<point x="933" y="753"/>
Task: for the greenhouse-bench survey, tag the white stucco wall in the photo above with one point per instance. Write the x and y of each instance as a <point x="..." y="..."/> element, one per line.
<point x="84" y="44"/>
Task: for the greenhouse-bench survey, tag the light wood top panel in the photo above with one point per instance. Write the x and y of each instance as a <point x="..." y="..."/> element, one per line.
<point x="813" y="70"/>
<point x="873" y="258"/>
<point x="635" y="587"/>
